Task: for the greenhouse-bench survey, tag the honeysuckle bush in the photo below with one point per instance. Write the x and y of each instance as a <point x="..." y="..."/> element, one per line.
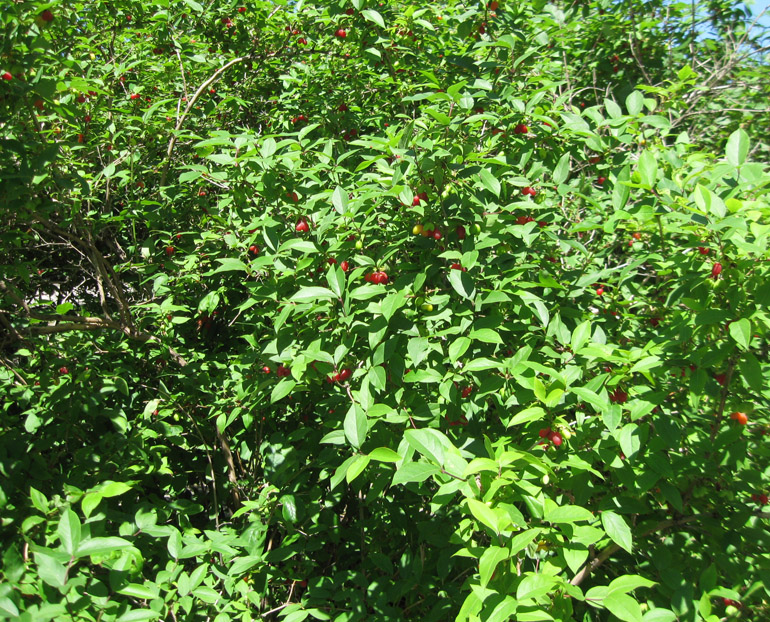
<point x="379" y="311"/>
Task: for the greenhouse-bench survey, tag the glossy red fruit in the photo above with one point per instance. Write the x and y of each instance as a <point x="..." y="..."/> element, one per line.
<point x="437" y="234"/>
<point x="170" y="250"/>
<point x="349" y="11"/>
<point x="293" y="196"/>
<point x="241" y="9"/>
<point x="340" y="34"/>
<point x="135" y="96"/>
<point x="556" y="439"/>
<point x="254" y="249"/>
<point x="763" y="499"/>
<point x="716" y="270"/>
<point x="467" y="391"/>
<point x="544" y="432"/>
<point x="493" y="5"/>
<point x="601" y="180"/>
<point x="618" y="396"/>
<point x="415" y="201"/>
<point x="283" y="371"/>
<point x="302" y="41"/>
<point x="344" y="266"/>
<point x="423" y="196"/>
<point x="720" y="378"/>
<point x="63" y="371"/>
<point x="457" y="266"/>
<point x="343" y="108"/>
<point x="460" y="231"/>
<point x="46" y="16"/>
<point x="331" y="261"/>
<point x="81" y="99"/>
<point x="703" y="250"/>
<point x="600" y="291"/>
<point x="302" y="226"/>
<point x="520" y="129"/>
<point x="345" y="374"/>
<point x="636" y="235"/>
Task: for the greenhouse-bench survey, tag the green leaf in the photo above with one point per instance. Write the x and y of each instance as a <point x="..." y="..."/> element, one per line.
<point x="230" y="264"/>
<point x="462" y="283"/>
<point x="628" y="583"/>
<point x="580" y="335"/>
<point x="373" y="16"/>
<point x="139" y="615"/>
<point x="486" y="335"/>
<point x="623" y="607"/>
<point x="534" y="585"/>
<point x="561" y="172"/>
<point x="114" y="489"/>
<point x="634" y="103"/>
<point x="490" y="182"/>
<point x="69" y="531"/>
<point x="340" y="200"/>
<point x="307" y="294"/>
<point x="101" y="546"/>
<point x="137" y="590"/>
<point x="483" y="513"/>
<point x="617" y="529"/>
<point x="740" y="331"/>
<point x="355" y="426"/>
<point x="335" y="277"/>
<point x="458" y="347"/>
<point x="566" y="513"/>
<point x="356" y="467"/>
<point x="385" y="454"/>
<point x="648" y="169"/>
<point x="414" y="472"/>
<point x="429" y="442"/>
<point x="489" y="560"/>
<point x="751" y="371"/>
<point x="282" y="389"/>
<point x="737" y="147"/>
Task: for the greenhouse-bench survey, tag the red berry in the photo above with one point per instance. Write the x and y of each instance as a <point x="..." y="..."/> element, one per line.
<point x="7" y="75"/>
<point x="600" y="291"/>
<point x="341" y="33"/>
<point x="344" y="266"/>
<point x="423" y="196"/>
<point x="254" y="249"/>
<point x="241" y="9"/>
<point x="302" y="41"/>
<point x="467" y="391"/>
<point x="545" y="432"/>
<point x="293" y="196"/>
<point x="460" y="232"/>
<point x="636" y="235"/>
<point x="703" y="250"/>
<point x="283" y="371"/>
<point x="135" y="96"/>
<point x="46" y="16"/>
<point x="63" y="371"/>
<point x="331" y="261"/>
<point x="349" y="11"/>
<point x="456" y="266"/>
<point x="344" y="374"/>
<point x="763" y="499"/>
<point x="619" y="396"/>
<point x="266" y="369"/>
<point x="601" y="180"/>
<point x="169" y="250"/>
<point x="436" y="234"/>
<point x="556" y="439"/>
<point x="716" y="270"/>
<point x="302" y="226"/>
<point x="342" y="107"/>
<point x="720" y="378"/>
<point x="415" y="201"/>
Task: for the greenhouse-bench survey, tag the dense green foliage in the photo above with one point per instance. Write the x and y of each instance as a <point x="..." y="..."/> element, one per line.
<point x="240" y="380"/>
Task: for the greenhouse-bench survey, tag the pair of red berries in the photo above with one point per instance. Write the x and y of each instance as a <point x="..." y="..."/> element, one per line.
<point x="340" y="34"/>
<point x="254" y="249"/>
<point x="523" y="220"/>
<point x="618" y="396"/>
<point x="552" y="436"/>
<point x="344" y="265"/>
<point x="740" y="418"/>
<point x="378" y="278"/>
<point x="528" y="191"/>
<point x="340" y="376"/>
<point x="299" y="118"/>
<point x="460" y="231"/>
<point x="457" y="266"/>
<point x="432" y="233"/>
<point x="302" y="226"/>
<point x="520" y="129"/>
<point x="423" y="196"/>
<point x="282" y="371"/>
<point x="761" y="498"/>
